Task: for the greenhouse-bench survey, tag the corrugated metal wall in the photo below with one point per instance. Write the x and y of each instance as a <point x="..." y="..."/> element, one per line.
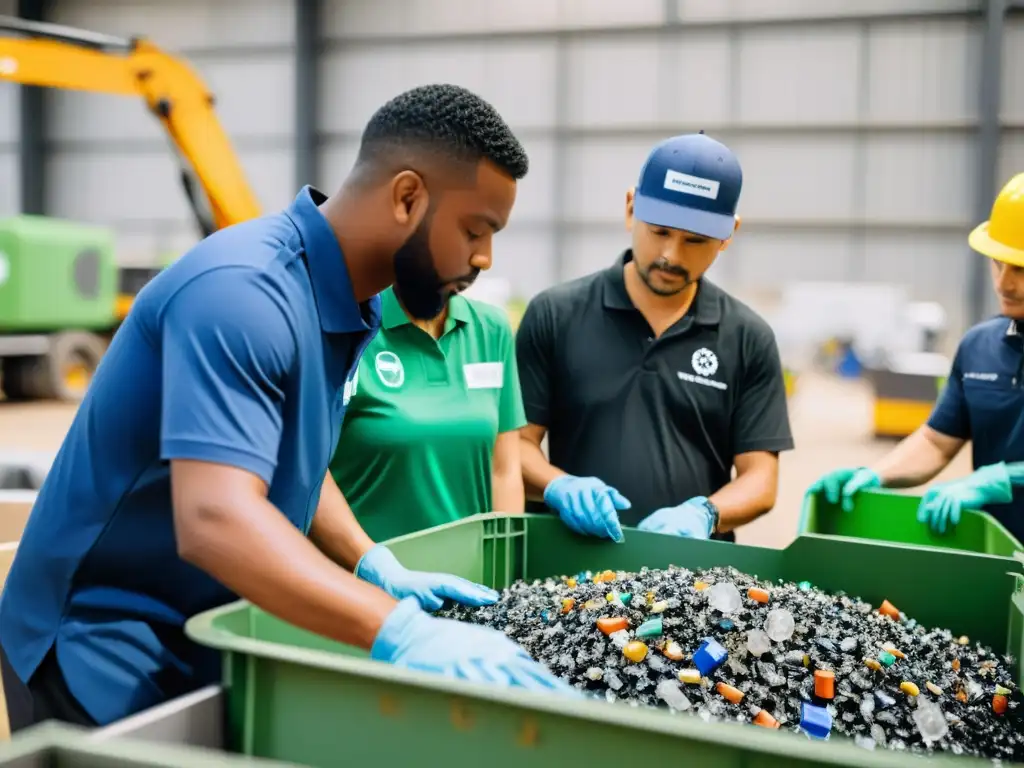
<point x="10" y="177"/>
<point x="856" y="130"/>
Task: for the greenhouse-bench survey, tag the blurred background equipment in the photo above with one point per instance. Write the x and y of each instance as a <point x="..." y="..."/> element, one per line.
<point x="61" y="291"/>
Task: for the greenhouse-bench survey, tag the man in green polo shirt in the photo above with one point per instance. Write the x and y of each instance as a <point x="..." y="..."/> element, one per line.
<point x="431" y="429"/>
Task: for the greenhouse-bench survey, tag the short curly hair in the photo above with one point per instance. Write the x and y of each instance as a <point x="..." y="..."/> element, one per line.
<point x="446" y="119"/>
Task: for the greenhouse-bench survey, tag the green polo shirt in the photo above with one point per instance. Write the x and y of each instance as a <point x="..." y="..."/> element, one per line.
<point x="423" y="415"/>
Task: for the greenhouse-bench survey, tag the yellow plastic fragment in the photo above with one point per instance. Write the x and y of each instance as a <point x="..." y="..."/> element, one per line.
<point x="873" y="664"/>
<point x="689" y="676"/>
<point x="700" y="586"/>
<point x="807" y="660"/>
<point x="933" y="688"/>
<point x="594" y="604"/>
<point x="635" y="651"/>
<point x="611" y="597"/>
<point x="964" y="640"/>
<point x="567" y="604"/>
<point x="659" y="606"/>
<point x="649" y="597"/>
<point x="570" y="583"/>
<point x="1002" y="690"/>
<point x="909" y="688"/>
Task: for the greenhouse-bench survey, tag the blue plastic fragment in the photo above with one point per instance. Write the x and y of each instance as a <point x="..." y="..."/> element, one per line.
<point x="709" y="656"/>
<point x="727" y="624"/>
<point x="815" y="721"/>
<point x="545" y="616"/>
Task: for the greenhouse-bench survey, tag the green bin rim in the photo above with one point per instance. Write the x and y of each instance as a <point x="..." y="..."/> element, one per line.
<point x="201" y="629"/>
<point x="989" y="519"/>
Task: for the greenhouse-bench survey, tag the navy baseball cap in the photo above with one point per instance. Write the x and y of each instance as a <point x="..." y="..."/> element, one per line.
<point x="690" y="182"/>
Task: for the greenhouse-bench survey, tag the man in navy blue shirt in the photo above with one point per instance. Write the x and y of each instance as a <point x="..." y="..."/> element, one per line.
<point x="982" y="402"/>
<point x="196" y="468"/>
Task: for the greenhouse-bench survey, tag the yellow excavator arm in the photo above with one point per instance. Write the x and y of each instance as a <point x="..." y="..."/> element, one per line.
<point x="48" y="55"/>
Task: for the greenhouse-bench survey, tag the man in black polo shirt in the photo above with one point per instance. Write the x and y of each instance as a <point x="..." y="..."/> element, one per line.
<point x="651" y="383"/>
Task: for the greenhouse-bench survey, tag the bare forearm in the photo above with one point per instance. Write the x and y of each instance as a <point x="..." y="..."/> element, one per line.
<point x="917" y="459"/>
<point x="260" y="556"/>
<point x="744" y="500"/>
<point x="538" y="472"/>
<point x="507" y="492"/>
<point x="335" y="530"/>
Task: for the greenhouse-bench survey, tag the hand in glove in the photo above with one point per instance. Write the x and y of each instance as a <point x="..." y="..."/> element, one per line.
<point x="691" y="519"/>
<point x="841" y="485"/>
<point x="381" y="568"/>
<point x="414" y="639"/>
<point x="587" y="505"/>
<point x="941" y="505"/>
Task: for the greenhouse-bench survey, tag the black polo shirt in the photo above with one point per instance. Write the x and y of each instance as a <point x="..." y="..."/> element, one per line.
<point x="659" y="419"/>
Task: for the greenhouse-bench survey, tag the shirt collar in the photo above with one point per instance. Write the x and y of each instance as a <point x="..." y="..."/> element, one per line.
<point x="394" y="315"/>
<point x="336" y="304"/>
<point x="707" y="309"/>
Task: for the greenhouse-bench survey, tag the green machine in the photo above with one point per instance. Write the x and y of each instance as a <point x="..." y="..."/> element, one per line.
<point x="58" y="305"/>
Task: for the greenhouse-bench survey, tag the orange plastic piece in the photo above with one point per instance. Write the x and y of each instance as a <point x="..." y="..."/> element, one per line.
<point x="909" y="688"/>
<point x="672" y="650"/>
<point x="609" y="624"/>
<point x="824" y="684"/>
<point x="894" y="650"/>
<point x="890" y="610"/>
<point x="735" y="695"/>
<point x="956" y="665"/>
<point x="758" y="594"/>
<point x="999" y="703"/>
<point x="700" y="586"/>
<point x="567" y="604"/>
<point x="765" y="720"/>
<point x="873" y="664"/>
<point x="961" y="696"/>
<point x="635" y="651"/>
<point x="604" y="576"/>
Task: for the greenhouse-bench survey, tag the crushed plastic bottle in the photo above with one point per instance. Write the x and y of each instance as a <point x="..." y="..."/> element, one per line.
<point x="779" y="625"/>
<point x="620" y="639"/>
<point x="758" y="642"/>
<point x="612" y="678"/>
<point x="670" y="692"/>
<point x="724" y="597"/>
<point x="930" y="721"/>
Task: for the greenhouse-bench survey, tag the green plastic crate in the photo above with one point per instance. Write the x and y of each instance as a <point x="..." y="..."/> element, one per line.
<point x="53" y="745"/>
<point x="884" y="515"/>
<point x="296" y="696"/>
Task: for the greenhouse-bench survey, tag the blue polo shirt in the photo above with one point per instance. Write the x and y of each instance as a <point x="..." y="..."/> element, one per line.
<point x="983" y="401"/>
<point x="236" y="354"/>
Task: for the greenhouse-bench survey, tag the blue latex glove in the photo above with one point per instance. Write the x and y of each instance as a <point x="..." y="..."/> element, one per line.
<point x="381" y="568"/>
<point x="587" y="505"/>
<point x="691" y="519"/>
<point x="941" y="505"/>
<point x="841" y="485"/>
<point x="414" y="639"/>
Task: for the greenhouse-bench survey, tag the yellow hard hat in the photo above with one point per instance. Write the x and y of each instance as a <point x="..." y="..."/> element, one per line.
<point x="1002" y="236"/>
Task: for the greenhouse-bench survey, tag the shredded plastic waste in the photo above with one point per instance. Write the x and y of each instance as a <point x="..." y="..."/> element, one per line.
<point x="894" y="684"/>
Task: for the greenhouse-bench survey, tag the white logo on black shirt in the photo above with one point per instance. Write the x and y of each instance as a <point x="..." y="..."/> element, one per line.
<point x="705" y="364"/>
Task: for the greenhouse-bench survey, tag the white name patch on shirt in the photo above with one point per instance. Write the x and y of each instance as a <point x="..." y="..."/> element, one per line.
<point x="484" y="375"/>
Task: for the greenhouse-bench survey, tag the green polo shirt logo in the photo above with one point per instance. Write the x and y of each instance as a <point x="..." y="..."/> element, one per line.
<point x="389" y="369"/>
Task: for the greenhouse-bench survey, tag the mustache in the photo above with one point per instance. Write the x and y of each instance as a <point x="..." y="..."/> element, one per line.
<point x="465" y="280"/>
<point x="664" y="266"/>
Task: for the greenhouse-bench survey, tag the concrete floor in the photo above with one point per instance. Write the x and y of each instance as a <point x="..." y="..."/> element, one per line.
<point x="831" y="422"/>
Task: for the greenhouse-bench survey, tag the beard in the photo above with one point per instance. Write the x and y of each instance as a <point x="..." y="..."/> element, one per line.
<point x="417" y="284"/>
<point x="647" y="275"/>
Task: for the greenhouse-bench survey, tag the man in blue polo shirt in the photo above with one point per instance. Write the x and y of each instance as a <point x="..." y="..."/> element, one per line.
<point x="196" y="468"/>
<point x="983" y="402"/>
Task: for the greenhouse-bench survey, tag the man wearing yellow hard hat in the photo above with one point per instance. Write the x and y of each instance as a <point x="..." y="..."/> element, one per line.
<point x="983" y="401"/>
